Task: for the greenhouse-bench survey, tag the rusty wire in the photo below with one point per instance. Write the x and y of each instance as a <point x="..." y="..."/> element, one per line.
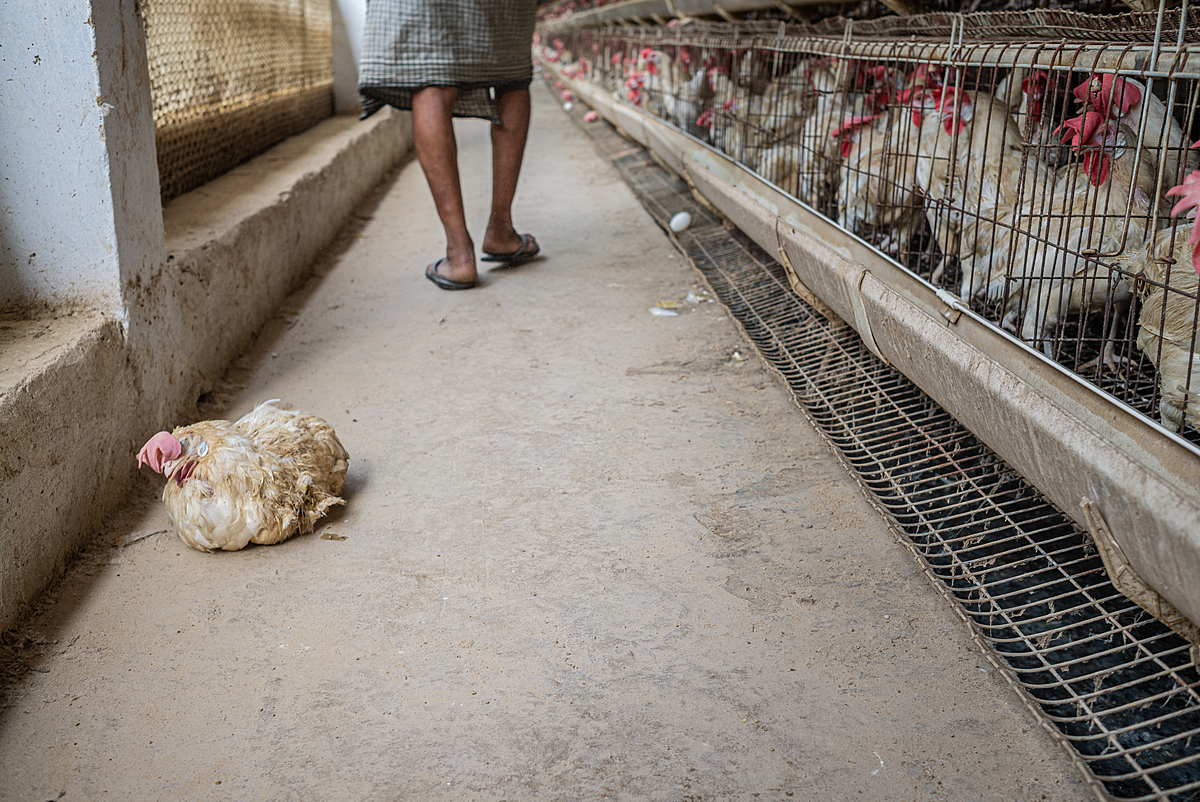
<point x="1064" y="260"/>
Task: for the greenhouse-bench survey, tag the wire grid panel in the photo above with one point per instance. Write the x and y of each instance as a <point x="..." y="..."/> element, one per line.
<point x="230" y="78"/>
<point x="1111" y="683"/>
<point x="1038" y="196"/>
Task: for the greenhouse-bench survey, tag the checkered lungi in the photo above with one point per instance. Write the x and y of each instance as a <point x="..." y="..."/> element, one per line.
<point x="477" y="45"/>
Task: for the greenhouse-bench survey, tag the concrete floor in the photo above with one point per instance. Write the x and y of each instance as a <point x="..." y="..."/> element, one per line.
<point x="588" y="553"/>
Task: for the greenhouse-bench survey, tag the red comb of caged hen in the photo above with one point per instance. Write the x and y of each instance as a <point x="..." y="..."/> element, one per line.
<point x="651" y="58"/>
<point x="1189" y="198"/>
<point x="1093" y="136"/>
<point x="1034" y="88"/>
<point x="957" y="109"/>
<point x="921" y="100"/>
<point x="1110" y="95"/>
<point x="846" y="131"/>
<point x="954" y="106"/>
<point x="262" y="479"/>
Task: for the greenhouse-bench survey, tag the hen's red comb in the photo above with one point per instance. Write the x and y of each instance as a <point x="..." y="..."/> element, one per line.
<point x="921" y="100"/>
<point x="952" y="120"/>
<point x="1110" y="95"/>
<point x="844" y="131"/>
<point x="1034" y="88"/>
<point x="851" y="123"/>
<point x="1035" y="82"/>
<point x="1080" y="129"/>
<point x="1189" y="198"/>
<point x="1083" y="92"/>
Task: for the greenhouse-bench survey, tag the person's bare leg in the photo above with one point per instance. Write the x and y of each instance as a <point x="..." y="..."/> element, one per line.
<point x="508" y="149"/>
<point x="437" y="150"/>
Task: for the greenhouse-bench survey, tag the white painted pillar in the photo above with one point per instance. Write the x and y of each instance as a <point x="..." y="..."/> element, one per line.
<point x="79" y="211"/>
<point x="132" y="156"/>
<point x="349" y="19"/>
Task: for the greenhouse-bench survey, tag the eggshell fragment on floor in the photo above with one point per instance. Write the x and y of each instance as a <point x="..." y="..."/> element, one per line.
<point x="680" y="222"/>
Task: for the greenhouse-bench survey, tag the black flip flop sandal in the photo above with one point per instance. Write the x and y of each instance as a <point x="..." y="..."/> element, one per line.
<point x="518" y="257"/>
<point x="431" y="273"/>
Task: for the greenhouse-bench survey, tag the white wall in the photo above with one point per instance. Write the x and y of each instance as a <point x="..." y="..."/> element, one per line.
<point x="57" y="239"/>
<point x="349" y="17"/>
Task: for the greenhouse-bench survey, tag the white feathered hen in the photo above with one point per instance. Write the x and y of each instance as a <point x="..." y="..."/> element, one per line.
<point x="262" y="479"/>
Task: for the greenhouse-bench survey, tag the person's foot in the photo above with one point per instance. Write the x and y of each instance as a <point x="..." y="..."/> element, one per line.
<point x="433" y="273"/>
<point x="506" y="241"/>
<point x="526" y="251"/>
<point x="459" y="264"/>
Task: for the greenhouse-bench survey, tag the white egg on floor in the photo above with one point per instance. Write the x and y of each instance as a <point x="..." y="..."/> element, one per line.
<point x="680" y="222"/>
<point x="568" y="106"/>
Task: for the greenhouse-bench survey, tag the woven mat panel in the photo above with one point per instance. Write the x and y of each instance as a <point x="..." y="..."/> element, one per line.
<point x="230" y="78"/>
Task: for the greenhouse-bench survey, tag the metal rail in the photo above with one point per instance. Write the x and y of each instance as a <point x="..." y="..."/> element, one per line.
<point x="1050" y="40"/>
<point x="642" y="12"/>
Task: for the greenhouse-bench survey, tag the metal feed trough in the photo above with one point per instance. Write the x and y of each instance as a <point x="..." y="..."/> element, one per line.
<point x="985" y="199"/>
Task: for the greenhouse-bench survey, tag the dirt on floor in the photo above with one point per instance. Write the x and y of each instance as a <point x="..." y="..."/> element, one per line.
<point x="589" y="553"/>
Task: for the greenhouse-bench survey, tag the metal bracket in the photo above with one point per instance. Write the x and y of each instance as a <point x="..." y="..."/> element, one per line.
<point x="786" y="9"/>
<point x="798" y="286"/>
<point x="1127" y="581"/>
<point x="954" y="305"/>
<point x="676" y="13"/>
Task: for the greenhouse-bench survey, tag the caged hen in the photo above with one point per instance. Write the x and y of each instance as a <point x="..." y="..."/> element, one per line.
<point x="1167" y="327"/>
<point x="262" y="479"/>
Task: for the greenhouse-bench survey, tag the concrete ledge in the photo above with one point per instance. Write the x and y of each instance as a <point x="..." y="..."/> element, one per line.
<point x="240" y="244"/>
<point x="79" y="393"/>
<point x="63" y="379"/>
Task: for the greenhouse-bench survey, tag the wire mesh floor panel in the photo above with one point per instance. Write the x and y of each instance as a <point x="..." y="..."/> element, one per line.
<point x="1111" y="683"/>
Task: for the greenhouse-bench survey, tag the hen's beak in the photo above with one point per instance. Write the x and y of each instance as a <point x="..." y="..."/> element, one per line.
<point x="181" y="469"/>
<point x="159" y="450"/>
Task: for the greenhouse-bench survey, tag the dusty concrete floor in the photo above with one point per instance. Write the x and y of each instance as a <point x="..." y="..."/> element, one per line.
<point x="588" y="553"/>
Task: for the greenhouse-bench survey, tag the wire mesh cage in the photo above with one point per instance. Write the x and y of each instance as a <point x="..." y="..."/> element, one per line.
<point x="1111" y="683"/>
<point x="1045" y="183"/>
<point x="231" y="78"/>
